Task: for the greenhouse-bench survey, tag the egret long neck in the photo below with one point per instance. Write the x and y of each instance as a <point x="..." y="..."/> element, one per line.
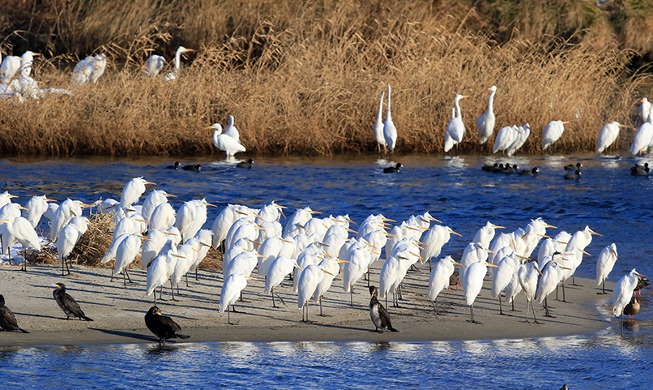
<point x="380" y="114"/>
<point x="458" y="113"/>
<point x="389" y="116"/>
<point x="490" y="103"/>
<point x="177" y="60"/>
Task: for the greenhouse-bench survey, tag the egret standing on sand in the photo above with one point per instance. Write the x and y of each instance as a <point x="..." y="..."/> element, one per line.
<point x="378" y="127"/>
<point x="440" y="277"/>
<point x="231" y="289"/>
<point x="605" y="263"/>
<point x="473" y="282"/>
<point x="607" y="136"/>
<point x="389" y="129"/>
<point x="485" y="121"/>
<point x="552" y="132"/>
<point x="21" y="229"/>
<point x="309" y="279"/>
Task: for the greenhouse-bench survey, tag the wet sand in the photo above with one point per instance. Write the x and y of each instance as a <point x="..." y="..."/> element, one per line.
<point x="118" y="311"/>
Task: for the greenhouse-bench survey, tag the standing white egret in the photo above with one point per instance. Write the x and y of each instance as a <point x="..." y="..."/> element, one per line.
<point x="505" y="137"/>
<point x="26" y="64"/>
<point x="133" y="191"/>
<point x="68" y="237"/>
<point x="175" y="72"/>
<point x="160" y="269"/>
<point x="604" y="263"/>
<point x="151" y="248"/>
<point x="308" y="281"/>
<point x="439" y="278"/>
<point x="623" y="293"/>
<point x="456" y="127"/>
<point x="99" y="66"/>
<point x="163" y="217"/>
<point x="643" y="137"/>
<point x="127" y="251"/>
<point x="82" y="71"/>
<point x="153" y="199"/>
<point x="65" y="212"/>
<point x="191" y="217"/>
<point x="449" y="142"/>
<point x="331" y="269"/>
<point x="153" y="65"/>
<point x="21" y="229"/>
<point x="9" y="68"/>
<point x="579" y="241"/>
<point x="485" y="121"/>
<point x="231" y="129"/>
<point x="281" y="267"/>
<point x="502" y="276"/>
<point x="6" y="197"/>
<point x="472" y="282"/>
<point x="528" y="275"/>
<point x="485" y="234"/>
<point x="224" y="142"/>
<point x="523" y="132"/>
<point x="36" y="207"/>
<point x="608" y="134"/>
<point x="644" y="109"/>
<point x="231" y="289"/>
<point x="378" y="127"/>
<point x="434" y="239"/>
<point x="552" y="132"/>
<point x="552" y="274"/>
<point x="389" y="129"/>
<point x="204" y="238"/>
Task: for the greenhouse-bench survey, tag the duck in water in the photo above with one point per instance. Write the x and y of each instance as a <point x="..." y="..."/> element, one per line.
<point x="379" y="315"/>
<point x="176" y="166"/>
<point x="162" y="326"/>
<point x="530" y="172"/>
<point x="574" y="176"/>
<point x="572" y="167"/>
<point x="394" y="169"/>
<point x="192" y="167"/>
<point x="640" y="170"/>
<point x="245" y="164"/>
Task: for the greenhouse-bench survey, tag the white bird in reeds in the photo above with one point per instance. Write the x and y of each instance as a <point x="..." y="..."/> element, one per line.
<point x="13" y="66"/>
<point x="608" y="134"/>
<point x="389" y="129"/>
<point x="439" y="278"/>
<point x="485" y="121"/>
<point x="552" y="133"/>
<point x="523" y="132"/>
<point x="604" y="264"/>
<point x="65" y="212"/>
<point x="231" y="289"/>
<point x="177" y="63"/>
<point x="456" y="127"/>
<point x="68" y="237"/>
<point x="153" y="65"/>
<point x="89" y="69"/>
<point x="225" y="142"/>
<point x="378" y="127"/>
<point x="505" y="137"/>
<point x="643" y="137"/>
<point x="231" y="129"/>
<point x="644" y="109"/>
<point x="448" y="141"/>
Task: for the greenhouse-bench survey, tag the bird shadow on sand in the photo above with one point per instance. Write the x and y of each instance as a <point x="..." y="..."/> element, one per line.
<point x="333" y="326"/>
<point x="123" y="333"/>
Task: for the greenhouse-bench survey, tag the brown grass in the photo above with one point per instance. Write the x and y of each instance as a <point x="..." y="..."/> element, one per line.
<point x="305" y="78"/>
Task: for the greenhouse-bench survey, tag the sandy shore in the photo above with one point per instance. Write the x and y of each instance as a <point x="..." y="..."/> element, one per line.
<point x="118" y="312"/>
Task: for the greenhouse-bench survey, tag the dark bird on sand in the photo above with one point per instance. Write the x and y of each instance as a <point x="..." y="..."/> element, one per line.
<point x="7" y="319"/>
<point x="162" y="326"/>
<point x="67" y="303"/>
<point x="379" y="315"/>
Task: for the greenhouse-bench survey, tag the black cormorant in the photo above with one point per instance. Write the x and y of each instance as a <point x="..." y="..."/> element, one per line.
<point x="379" y="315"/>
<point x="67" y="303"/>
<point x="394" y="169"/>
<point x="245" y="164"/>
<point x="192" y="167"/>
<point x="162" y="326"/>
<point x="7" y="319"/>
<point x="574" y="176"/>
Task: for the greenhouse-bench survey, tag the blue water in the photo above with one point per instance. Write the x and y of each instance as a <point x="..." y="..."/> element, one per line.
<point x="454" y="190"/>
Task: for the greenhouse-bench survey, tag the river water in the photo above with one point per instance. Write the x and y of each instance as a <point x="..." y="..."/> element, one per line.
<point x="453" y="189"/>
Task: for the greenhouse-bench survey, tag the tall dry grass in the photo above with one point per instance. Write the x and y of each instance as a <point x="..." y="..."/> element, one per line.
<point x="305" y="77"/>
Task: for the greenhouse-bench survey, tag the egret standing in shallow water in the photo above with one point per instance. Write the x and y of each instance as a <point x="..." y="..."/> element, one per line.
<point x="389" y="129"/>
<point x="224" y="142"/>
<point x="552" y="132"/>
<point x="608" y="134"/>
<point x="485" y="121"/>
<point x="378" y="128"/>
<point x="623" y="293"/>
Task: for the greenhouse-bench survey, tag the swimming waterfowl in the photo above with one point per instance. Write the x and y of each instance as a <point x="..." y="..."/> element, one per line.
<point x="245" y="164"/>
<point x="572" y="167"/>
<point x="529" y="172"/>
<point x="574" y="176"/>
<point x="162" y="326"/>
<point x="379" y="315"/>
<point x="192" y="167"/>
<point x="640" y="170"/>
<point x="394" y="169"/>
<point x="67" y="303"/>
<point x="175" y="166"/>
<point x="7" y="319"/>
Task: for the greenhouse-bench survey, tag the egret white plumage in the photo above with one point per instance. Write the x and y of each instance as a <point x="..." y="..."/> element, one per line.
<point x="160" y="269"/>
<point x="485" y="234"/>
<point x="6" y="197"/>
<point x="472" y="282"/>
<point x="153" y="65"/>
<point x="68" y="237"/>
<point x="36" y="206"/>
<point x="99" y="66"/>
<point x="177" y="63"/>
<point x="512" y="290"/>
<point x="623" y="293"/>
<point x="579" y="241"/>
<point x="522" y="134"/>
<point x="552" y="274"/>
<point x="505" y="137"/>
<point x="644" y="109"/>
<point x="244" y="263"/>
<point x="439" y="278"/>
<point x="152" y="247"/>
<point x="643" y="137"/>
<point x="231" y="129"/>
<point x="65" y="212"/>
<point x="308" y="281"/>
<point x="126" y="253"/>
<point x="552" y="132"/>
<point x="191" y="217"/>
<point x="222" y="223"/>
<point x="9" y="69"/>
<point x="188" y="251"/>
<point x="389" y="129"/>
<point x="378" y="127"/>
<point x="231" y="289"/>
<point x="608" y="134"/>
<point x="204" y="238"/>
<point x="163" y="217"/>
<point x="281" y="267"/>
<point x="473" y="253"/>
<point x="605" y="262"/>
<point x="113" y="248"/>
<point x="501" y="277"/>
<point x="21" y="229"/>
<point x="485" y="121"/>
<point x="449" y="142"/>
<point x="224" y="142"/>
<point x="359" y="258"/>
<point x="456" y="127"/>
<point x="153" y="199"/>
<point x="133" y="191"/>
<point x="528" y="275"/>
<point x="331" y="268"/>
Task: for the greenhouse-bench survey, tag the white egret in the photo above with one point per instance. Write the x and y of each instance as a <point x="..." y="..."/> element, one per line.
<point x="512" y="290"/>
<point x="505" y="137"/>
<point x="68" y="237"/>
<point x="188" y="252"/>
<point x="99" y="66"/>
<point x="6" y="197"/>
<point x="113" y="249"/>
<point x="153" y="65"/>
<point x="151" y="248"/>
<point x="331" y="268"/>
<point x="224" y="142"/>
<point x="501" y="277"/>
<point x="473" y="253"/>
<point x="485" y="234"/>
<point x="26" y="63"/>
<point x="163" y="217"/>
<point x="153" y="199"/>
<point x="36" y="206"/>
<point x="434" y="239"/>
<point x="281" y="267"/>
<point x="82" y="71"/>
<point x="623" y="293"/>
<point x="21" y="229"/>
<point x="204" y="238"/>
<point x="643" y="137"/>
<point x="523" y="132"/>
<point x="9" y="68"/>
<point x="222" y="223"/>
<point x="579" y="241"/>
<point x="173" y="75"/>
<point x="528" y="275"/>
<point x="133" y="191"/>
<point x="160" y="270"/>
<point x="126" y="253"/>
<point x="231" y="129"/>
<point x="244" y="263"/>
<point x="449" y="142"/>
<point x="608" y="134"/>
<point x="439" y="278"/>
<point x="605" y="262"/>
<point x="552" y="274"/>
<point x="552" y="132"/>
<point x="485" y="121"/>
<point x="359" y="260"/>
<point x="456" y="127"/>
<point x="472" y="282"/>
<point x="644" y="109"/>
<point x="308" y="281"/>
<point x="65" y="212"/>
<point x="191" y="216"/>
<point x="231" y="289"/>
<point x="378" y="127"/>
<point x="389" y="129"/>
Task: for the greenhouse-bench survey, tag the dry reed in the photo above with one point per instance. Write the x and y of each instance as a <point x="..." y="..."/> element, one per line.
<point x="305" y="78"/>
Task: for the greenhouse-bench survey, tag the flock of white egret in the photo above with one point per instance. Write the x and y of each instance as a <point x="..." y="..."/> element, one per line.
<point x="314" y="250"/>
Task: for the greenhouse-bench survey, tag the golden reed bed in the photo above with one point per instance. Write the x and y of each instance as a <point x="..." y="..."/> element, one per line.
<point x="305" y="77"/>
